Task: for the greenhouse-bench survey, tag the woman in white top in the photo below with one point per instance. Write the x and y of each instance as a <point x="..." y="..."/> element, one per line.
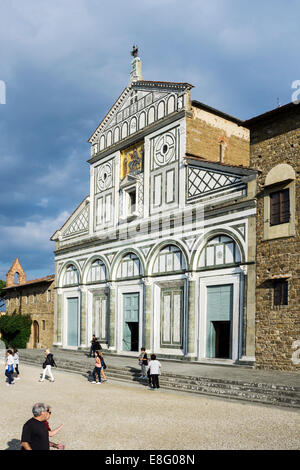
<point x="9" y="367"/>
<point x="16" y="362"/>
<point x="154" y="367"/>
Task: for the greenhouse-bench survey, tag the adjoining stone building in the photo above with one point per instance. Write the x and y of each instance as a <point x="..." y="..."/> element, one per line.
<point x="161" y="253"/>
<point x="34" y="298"/>
<point x="275" y="153"/>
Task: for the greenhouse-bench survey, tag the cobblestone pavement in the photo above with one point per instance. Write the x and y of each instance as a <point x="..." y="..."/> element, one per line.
<point x="117" y="416"/>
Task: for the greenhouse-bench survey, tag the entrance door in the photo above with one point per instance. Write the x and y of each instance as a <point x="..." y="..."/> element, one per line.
<point x="36" y="334"/>
<point x="222" y="332"/>
<point x="219" y="321"/>
<point x="131" y="321"/>
<point x="72" y="337"/>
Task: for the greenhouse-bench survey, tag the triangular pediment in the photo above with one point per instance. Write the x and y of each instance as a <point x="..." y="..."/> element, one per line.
<point x="138" y="106"/>
<point x="77" y="223"/>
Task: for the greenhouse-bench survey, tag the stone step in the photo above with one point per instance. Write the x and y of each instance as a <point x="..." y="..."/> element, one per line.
<point x="171" y="377"/>
<point x="263" y="393"/>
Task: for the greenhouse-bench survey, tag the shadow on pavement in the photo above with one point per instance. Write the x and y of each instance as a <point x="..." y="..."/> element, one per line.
<point x="14" y="444"/>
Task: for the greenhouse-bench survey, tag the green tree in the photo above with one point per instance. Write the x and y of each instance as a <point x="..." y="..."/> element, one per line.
<point x="15" y="330"/>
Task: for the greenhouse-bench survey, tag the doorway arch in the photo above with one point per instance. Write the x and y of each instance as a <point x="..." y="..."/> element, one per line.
<point x="36" y="334"/>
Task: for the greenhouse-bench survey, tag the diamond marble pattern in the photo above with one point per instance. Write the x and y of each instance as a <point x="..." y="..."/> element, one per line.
<point x="80" y="224"/>
<point x="204" y="181"/>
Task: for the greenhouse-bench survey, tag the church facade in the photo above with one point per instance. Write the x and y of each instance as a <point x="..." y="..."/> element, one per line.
<point x="161" y="253"/>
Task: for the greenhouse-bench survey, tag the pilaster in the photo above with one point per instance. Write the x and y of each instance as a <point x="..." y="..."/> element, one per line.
<point x="147" y="312"/>
<point x="191" y="314"/>
<point x="112" y="315"/>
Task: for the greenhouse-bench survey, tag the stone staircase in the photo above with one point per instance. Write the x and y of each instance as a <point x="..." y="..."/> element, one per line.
<point x="264" y="393"/>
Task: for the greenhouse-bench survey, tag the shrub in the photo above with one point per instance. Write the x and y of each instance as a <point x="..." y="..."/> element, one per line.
<point x="15" y="330"/>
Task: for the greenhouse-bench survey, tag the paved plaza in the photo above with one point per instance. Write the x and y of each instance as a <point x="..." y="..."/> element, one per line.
<point x="117" y="416"/>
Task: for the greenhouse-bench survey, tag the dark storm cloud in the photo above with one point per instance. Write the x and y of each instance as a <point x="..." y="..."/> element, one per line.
<point x="65" y="62"/>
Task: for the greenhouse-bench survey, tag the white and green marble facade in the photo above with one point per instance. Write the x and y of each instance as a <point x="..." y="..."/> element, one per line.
<point x="103" y="254"/>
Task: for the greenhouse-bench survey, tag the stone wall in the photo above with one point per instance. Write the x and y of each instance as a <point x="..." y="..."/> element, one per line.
<point x="205" y="132"/>
<point x="21" y="301"/>
<point x="276" y="140"/>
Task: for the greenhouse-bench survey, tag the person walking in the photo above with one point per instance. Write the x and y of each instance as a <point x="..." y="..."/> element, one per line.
<point x="35" y="435"/>
<point x="143" y="362"/>
<point x="92" y="342"/>
<point x="9" y="367"/>
<point x="97" y="369"/>
<point x="154" y="367"/>
<point x="47" y="364"/>
<point x="97" y="345"/>
<point x="103" y="365"/>
<point x="16" y="362"/>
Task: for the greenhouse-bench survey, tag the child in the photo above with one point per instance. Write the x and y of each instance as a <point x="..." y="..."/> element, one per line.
<point x="16" y="362"/>
<point x="9" y="367"/>
<point x="143" y="362"/>
<point x="154" y="367"/>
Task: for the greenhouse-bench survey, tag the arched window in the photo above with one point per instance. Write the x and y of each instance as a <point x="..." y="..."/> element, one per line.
<point x="97" y="272"/>
<point x="171" y="105"/>
<point x="142" y="120"/>
<point x="16" y="278"/>
<point x="71" y="276"/>
<point x="169" y="259"/>
<point x="151" y="115"/>
<point x="124" y="130"/>
<point x="133" y="125"/>
<point x="102" y="142"/>
<point x="130" y="266"/>
<point x="116" y="135"/>
<point x="109" y="138"/>
<point x="161" y="110"/>
<point x="219" y="251"/>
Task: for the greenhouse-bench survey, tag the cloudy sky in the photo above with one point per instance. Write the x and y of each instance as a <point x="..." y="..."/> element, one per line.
<point x="64" y="62"/>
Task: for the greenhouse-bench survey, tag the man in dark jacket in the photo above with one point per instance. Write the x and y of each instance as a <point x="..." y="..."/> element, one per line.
<point x="97" y="345"/>
<point x="92" y="346"/>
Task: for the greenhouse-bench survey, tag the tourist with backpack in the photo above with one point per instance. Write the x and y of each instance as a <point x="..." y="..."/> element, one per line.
<point x="47" y="364"/>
